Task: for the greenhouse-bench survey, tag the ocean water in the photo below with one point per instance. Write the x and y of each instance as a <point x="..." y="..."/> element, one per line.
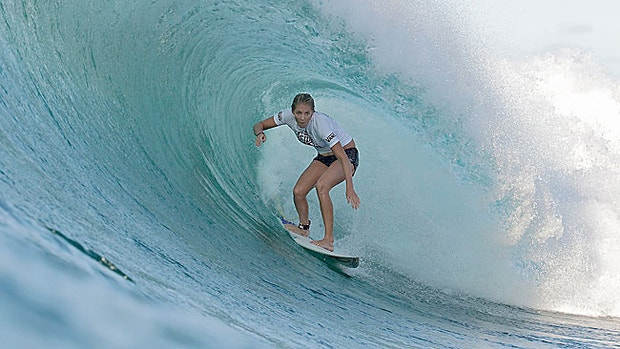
<point x="135" y="211"/>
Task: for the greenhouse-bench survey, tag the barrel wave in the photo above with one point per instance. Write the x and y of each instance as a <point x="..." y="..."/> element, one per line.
<point x="136" y="211"/>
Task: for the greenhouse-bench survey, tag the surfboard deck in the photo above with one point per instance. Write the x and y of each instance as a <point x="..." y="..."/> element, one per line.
<point x="335" y="257"/>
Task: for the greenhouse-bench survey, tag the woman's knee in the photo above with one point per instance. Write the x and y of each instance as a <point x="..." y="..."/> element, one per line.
<point x="300" y="191"/>
<point x="323" y="188"/>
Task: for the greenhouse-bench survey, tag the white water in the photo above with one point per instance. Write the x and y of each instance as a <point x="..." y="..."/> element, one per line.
<point x="546" y="115"/>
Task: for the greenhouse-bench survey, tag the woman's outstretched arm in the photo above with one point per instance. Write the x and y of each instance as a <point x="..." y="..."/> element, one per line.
<point x="259" y="129"/>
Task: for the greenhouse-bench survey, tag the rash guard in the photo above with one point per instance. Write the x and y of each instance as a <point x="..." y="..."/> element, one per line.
<point x="322" y="132"/>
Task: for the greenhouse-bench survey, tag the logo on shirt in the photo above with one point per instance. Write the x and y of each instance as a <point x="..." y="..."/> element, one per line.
<point x="280" y="117"/>
<point x="305" y="138"/>
<point x="330" y="137"/>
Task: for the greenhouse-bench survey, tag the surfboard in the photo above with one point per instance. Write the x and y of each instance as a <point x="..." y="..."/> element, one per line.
<point x="332" y="258"/>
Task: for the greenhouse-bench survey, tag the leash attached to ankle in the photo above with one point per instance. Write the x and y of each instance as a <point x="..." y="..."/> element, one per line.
<point x="304" y="226"/>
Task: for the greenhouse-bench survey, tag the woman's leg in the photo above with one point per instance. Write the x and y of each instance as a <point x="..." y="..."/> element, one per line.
<point x="330" y="178"/>
<point x="304" y="184"/>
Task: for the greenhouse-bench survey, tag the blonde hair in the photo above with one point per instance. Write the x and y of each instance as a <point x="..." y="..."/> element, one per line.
<point x="303" y="98"/>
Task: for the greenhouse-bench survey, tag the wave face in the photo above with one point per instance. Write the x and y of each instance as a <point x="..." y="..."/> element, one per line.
<point x="489" y="187"/>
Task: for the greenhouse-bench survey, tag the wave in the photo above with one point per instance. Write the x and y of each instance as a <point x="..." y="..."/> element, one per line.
<point x="128" y="128"/>
<point x="519" y="178"/>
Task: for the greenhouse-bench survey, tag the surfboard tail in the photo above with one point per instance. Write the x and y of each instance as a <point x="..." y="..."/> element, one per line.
<point x="285" y="221"/>
<point x="331" y="258"/>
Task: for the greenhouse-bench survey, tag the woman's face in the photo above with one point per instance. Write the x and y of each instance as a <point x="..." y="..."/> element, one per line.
<point x="303" y="114"/>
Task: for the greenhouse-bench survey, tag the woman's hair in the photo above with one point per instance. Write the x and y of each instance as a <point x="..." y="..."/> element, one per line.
<point x="303" y="98"/>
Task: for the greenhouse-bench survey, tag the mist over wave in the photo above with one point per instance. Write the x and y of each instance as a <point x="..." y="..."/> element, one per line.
<point x="524" y="162"/>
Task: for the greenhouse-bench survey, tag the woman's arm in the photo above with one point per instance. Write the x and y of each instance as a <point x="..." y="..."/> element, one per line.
<point x="259" y="129"/>
<point x="347" y="168"/>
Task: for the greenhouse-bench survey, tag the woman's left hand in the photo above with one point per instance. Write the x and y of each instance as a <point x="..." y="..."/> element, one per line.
<point x="353" y="199"/>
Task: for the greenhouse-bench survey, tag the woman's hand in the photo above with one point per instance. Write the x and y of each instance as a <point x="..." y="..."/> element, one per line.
<point x="353" y="199"/>
<point x="260" y="139"/>
<point x="259" y="130"/>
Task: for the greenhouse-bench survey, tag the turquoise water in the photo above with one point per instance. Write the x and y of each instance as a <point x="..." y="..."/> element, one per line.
<point x="135" y="210"/>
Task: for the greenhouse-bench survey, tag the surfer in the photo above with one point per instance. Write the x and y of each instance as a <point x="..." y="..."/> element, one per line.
<point x="336" y="162"/>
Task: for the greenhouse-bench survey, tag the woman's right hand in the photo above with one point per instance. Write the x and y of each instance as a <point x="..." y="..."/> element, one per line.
<point x="260" y="139"/>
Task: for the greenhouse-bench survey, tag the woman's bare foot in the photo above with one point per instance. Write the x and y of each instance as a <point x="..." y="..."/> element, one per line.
<point x="295" y="229"/>
<point x="326" y="244"/>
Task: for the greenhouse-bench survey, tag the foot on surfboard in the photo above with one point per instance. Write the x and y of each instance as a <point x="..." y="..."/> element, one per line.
<point x="324" y="244"/>
<point x="297" y="230"/>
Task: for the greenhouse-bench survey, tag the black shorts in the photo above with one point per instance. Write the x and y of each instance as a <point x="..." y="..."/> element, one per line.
<point x="352" y="154"/>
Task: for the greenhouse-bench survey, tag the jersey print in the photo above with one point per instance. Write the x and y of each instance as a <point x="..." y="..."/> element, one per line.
<point x="305" y="138"/>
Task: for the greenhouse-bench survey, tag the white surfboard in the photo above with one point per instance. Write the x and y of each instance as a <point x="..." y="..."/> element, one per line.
<point x="344" y="260"/>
